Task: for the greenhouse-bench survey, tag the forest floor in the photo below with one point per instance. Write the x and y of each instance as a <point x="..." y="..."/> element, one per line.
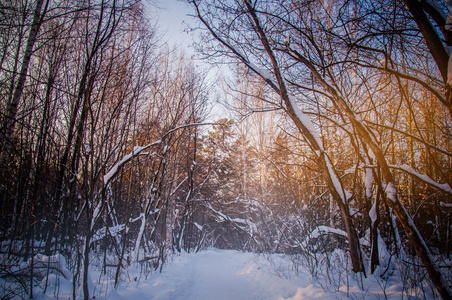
<point x="220" y="274"/>
<point x="226" y="274"/>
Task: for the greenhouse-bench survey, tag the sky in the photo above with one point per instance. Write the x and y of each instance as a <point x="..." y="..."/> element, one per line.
<point x="172" y="19"/>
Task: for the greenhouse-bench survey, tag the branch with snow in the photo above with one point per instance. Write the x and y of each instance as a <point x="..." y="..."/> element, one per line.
<point x="42" y="264"/>
<point x="323" y="230"/>
<point x="444" y="187"/>
<point x="447" y="205"/>
<point x="136" y="151"/>
<point x="238" y="222"/>
<point x="101" y="233"/>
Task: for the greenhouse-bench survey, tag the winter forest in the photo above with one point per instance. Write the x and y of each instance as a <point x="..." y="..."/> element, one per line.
<point x="331" y="161"/>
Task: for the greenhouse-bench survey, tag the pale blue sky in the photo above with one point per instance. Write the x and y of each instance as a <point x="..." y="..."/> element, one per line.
<point x="171" y="18"/>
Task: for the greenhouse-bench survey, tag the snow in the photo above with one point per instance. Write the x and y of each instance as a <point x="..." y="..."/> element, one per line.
<point x="229" y="274"/>
<point x="337" y="185"/>
<point x="113" y="231"/>
<point x="136" y="150"/>
<point x="87" y="148"/>
<point x="323" y="230"/>
<point x="391" y="192"/>
<point x="264" y="73"/>
<point x="220" y="274"/>
<point x="198" y="226"/>
<point x="135" y="252"/>
<point x="440" y="186"/>
<point x="54" y="264"/>
<point x="424" y="245"/>
<point x="383" y="253"/>
<point x="369" y="181"/>
<point x="96" y="214"/>
<point x="165" y="149"/>
<point x="373" y="213"/>
<point x="304" y="119"/>
<point x="114" y="169"/>
<point x="445" y="204"/>
<point x="352" y="169"/>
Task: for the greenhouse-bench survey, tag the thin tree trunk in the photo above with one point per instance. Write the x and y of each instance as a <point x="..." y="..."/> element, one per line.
<point x="435" y="45"/>
<point x="329" y="174"/>
<point x="10" y="119"/>
<point x="392" y="198"/>
<point x="86" y="251"/>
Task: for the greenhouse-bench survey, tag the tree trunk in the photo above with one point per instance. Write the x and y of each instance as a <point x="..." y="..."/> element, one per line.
<point x="331" y="178"/>
<point x="11" y="111"/>
<point x="434" y="44"/>
<point x="86" y="251"/>
<point x="392" y="198"/>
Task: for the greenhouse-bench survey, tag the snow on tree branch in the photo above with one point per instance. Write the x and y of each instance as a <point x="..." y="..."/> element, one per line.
<point x="114" y="170"/>
<point x="323" y="230"/>
<point x="138" y="149"/>
<point x="444" y="187"/>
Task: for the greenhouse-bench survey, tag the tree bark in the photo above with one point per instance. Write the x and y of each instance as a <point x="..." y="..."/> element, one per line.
<point x="430" y="35"/>
<point x="10" y="119"/>
<point x="391" y="198"/>
<point x="434" y="43"/>
<point x="355" y="251"/>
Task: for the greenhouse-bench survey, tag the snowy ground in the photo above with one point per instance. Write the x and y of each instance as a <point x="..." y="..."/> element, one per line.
<point x="223" y="274"/>
<point x="219" y="274"/>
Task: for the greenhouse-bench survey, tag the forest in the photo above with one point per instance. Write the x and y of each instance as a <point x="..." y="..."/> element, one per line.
<point x="337" y="139"/>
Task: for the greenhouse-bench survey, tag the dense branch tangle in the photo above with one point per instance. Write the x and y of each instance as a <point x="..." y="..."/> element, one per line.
<point x="80" y="89"/>
<point x="345" y="121"/>
<point x="268" y="37"/>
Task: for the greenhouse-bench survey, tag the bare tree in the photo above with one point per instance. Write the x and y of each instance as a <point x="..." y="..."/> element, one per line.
<point x="10" y="118"/>
<point x="297" y="42"/>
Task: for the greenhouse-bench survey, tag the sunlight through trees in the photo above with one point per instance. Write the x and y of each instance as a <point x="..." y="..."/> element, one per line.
<point x="336" y="149"/>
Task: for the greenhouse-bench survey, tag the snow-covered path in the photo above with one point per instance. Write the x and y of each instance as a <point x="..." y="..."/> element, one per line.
<point x="229" y="275"/>
<point x="219" y="274"/>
